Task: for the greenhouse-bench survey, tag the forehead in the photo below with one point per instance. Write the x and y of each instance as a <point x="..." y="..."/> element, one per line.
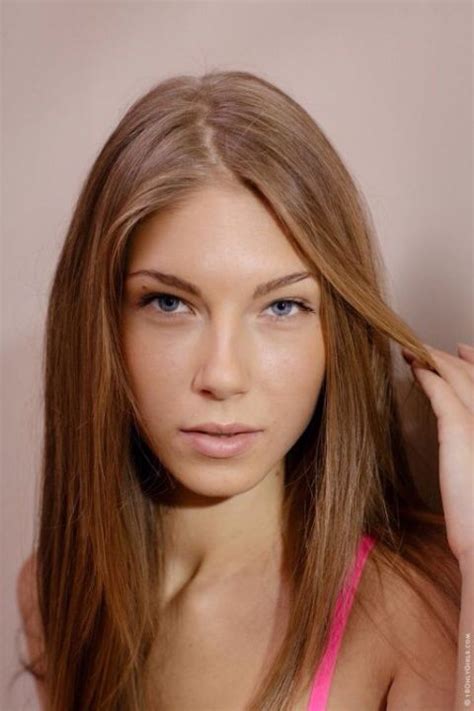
<point x="216" y="231"/>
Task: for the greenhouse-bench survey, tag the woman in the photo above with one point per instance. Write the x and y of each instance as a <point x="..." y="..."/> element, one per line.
<point x="220" y="275"/>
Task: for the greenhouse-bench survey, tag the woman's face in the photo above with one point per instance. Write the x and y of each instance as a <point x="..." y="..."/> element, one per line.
<point x="217" y="352"/>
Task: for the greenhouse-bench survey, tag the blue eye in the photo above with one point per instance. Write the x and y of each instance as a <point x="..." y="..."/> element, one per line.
<point x="165" y="300"/>
<point x="168" y="300"/>
<point x="290" y="303"/>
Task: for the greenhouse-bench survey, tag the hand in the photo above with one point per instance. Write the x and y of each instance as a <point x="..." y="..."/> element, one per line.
<point x="451" y="394"/>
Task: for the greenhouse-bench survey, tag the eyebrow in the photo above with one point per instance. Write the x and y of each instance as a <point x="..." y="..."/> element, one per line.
<point x="261" y="290"/>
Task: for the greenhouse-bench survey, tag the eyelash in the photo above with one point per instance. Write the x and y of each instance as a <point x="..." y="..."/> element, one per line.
<point x="146" y="299"/>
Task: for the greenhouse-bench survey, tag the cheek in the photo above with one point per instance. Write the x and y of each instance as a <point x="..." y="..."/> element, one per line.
<point x="156" y="373"/>
<point x="292" y="379"/>
<point x="295" y="366"/>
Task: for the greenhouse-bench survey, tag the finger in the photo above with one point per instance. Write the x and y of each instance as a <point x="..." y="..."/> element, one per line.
<point x="466" y="352"/>
<point x="466" y="364"/>
<point x="446" y="404"/>
<point x="454" y="360"/>
<point x="457" y="373"/>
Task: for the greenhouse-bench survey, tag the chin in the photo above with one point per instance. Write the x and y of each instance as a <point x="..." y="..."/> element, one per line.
<point x="217" y="479"/>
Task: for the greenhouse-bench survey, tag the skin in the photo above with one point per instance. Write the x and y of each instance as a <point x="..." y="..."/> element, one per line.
<point x="224" y="357"/>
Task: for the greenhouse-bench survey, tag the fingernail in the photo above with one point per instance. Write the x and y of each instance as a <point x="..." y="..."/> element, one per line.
<point x="465" y="345"/>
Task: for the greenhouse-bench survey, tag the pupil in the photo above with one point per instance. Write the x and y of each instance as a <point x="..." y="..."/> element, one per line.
<point x="167" y="299"/>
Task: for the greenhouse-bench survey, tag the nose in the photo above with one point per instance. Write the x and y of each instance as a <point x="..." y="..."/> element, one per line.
<point x="222" y="363"/>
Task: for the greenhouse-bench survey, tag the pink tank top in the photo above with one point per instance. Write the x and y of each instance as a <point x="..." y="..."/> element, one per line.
<point x="322" y="680"/>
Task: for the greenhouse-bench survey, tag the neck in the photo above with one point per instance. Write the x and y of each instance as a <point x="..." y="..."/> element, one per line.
<point x="208" y="538"/>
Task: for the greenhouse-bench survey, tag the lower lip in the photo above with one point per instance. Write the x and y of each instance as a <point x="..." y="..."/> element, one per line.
<point x="221" y="447"/>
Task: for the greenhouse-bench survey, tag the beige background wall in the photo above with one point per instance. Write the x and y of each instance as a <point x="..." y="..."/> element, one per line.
<point x="390" y="83"/>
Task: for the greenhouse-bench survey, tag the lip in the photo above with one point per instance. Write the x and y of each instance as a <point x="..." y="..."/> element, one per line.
<point x="217" y="428"/>
<point x="213" y="445"/>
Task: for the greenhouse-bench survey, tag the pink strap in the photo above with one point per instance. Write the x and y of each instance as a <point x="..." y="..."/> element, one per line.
<point x="322" y="679"/>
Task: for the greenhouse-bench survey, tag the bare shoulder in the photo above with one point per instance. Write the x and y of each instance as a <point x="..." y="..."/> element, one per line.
<point x="27" y="599"/>
<point x="423" y="654"/>
<point x="25" y="588"/>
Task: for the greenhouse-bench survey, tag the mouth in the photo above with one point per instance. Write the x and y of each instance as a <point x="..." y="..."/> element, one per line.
<point x="224" y="429"/>
<point x="219" y="445"/>
<point x="220" y="434"/>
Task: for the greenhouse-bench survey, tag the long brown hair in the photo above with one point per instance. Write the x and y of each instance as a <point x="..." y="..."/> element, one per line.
<point x="99" y="559"/>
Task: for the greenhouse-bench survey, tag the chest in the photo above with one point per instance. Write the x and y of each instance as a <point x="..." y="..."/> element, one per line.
<point x="211" y="656"/>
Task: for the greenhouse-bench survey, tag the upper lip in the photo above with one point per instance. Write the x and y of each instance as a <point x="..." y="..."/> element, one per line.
<point x="216" y="428"/>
